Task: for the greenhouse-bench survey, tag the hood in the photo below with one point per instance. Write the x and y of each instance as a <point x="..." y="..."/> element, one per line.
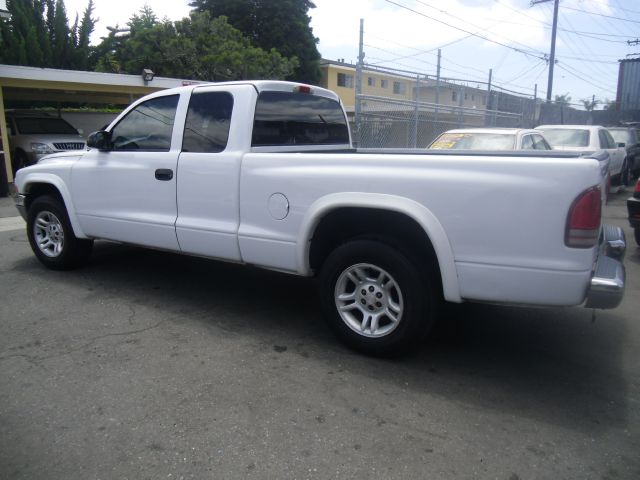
<point x="53" y="137"/>
<point x="60" y="156"/>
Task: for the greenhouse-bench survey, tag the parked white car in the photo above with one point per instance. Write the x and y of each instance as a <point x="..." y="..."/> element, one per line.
<point x="490" y="139"/>
<point x="587" y="139"/>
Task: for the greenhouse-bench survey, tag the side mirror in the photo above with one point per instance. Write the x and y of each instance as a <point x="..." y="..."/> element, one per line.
<point x="622" y="144"/>
<point x="100" y="140"/>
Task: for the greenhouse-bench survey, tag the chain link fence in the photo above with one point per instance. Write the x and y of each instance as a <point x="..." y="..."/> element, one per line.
<point x="430" y="107"/>
<point x="391" y="123"/>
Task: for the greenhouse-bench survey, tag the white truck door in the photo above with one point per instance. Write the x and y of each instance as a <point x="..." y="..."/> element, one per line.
<point x="128" y="193"/>
<point x="216" y="135"/>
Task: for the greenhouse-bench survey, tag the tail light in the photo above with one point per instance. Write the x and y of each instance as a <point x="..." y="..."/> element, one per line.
<point x="583" y="221"/>
<point x="636" y="192"/>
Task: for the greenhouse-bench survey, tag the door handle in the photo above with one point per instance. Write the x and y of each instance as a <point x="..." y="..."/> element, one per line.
<point x="164" y="174"/>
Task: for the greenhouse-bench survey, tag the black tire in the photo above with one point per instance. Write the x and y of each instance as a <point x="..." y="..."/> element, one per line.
<point x="636" y="234"/>
<point x="52" y="239"/>
<point x="410" y="285"/>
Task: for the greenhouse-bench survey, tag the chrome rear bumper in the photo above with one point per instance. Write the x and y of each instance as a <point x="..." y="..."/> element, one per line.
<point x="608" y="278"/>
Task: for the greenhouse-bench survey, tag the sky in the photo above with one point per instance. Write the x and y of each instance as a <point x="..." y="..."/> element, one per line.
<point x="510" y="37"/>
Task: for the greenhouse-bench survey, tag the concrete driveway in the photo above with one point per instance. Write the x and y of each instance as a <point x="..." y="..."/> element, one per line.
<point x="151" y="365"/>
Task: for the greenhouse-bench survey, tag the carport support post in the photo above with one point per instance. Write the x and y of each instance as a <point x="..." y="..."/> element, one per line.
<point x="5" y="140"/>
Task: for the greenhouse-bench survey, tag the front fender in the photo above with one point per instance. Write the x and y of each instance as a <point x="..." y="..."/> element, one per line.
<point x="423" y="216"/>
<point x="30" y="179"/>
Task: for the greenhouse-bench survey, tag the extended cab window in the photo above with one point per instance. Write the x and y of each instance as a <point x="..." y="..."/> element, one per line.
<point x="208" y="121"/>
<point x="284" y="118"/>
<point x="148" y="127"/>
<point x="527" y="142"/>
<point x="539" y="143"/>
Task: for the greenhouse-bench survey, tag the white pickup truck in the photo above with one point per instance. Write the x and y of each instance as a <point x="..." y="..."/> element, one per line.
<point x="263" y="173"/>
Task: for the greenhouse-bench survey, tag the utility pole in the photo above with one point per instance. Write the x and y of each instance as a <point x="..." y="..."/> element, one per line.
<point x="487" y="121"/>
<point x="552" y="54"/>
<point x="359" y="68"/>
<point x="416" y="113"/>
<point x="438" y="85"/>
<point x="535" y="104"/>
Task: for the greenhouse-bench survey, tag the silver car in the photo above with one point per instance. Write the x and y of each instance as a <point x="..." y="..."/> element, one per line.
<point x="34" y="135"/>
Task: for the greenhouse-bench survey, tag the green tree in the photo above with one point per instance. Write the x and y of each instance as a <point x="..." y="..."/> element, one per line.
<point x="589" y="104"/>
<point x="562" y="100"/>
<point x="82" y="46"/>
<point x="38" y="34"/>
<point x="283" y="25"/>
<point x="196" y="47"/>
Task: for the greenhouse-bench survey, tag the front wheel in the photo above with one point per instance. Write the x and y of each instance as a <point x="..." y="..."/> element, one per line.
<point x="376" y="299"/>
<point x="51" y="236"/>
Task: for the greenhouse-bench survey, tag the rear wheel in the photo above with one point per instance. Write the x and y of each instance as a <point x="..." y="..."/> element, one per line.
<point x="51" y="236"/>
<point x="376" y="298"/>
<point x="636" y="233"/>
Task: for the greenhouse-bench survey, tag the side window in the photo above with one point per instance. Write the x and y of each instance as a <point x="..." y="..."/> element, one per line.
<point x="208" y="121"/>
<point x="148" y="127"/>
<point x="539" y="143"/>
<point x="527" y="142"/>
<point x="284" y="118"/>
<point x="604" y="142"/>
<point x="610" y="140"/>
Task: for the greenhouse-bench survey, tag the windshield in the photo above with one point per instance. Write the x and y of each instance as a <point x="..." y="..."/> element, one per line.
<point x="475" y="141"/>
<point x="567" y="137"/>
<point x="625" y="136"/>
<point x="35" y="125"/>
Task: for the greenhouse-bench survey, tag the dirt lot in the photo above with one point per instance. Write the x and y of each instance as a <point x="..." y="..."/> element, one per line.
<point x="151" y="365"/>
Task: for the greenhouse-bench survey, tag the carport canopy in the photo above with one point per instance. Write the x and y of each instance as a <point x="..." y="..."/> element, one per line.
<point x="62" y="86"/>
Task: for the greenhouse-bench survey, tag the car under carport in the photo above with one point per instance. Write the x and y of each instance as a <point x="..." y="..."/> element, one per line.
<point x="32" y="84"/>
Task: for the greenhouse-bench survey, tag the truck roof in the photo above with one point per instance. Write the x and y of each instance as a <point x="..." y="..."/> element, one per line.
<point x="265" y="86"/>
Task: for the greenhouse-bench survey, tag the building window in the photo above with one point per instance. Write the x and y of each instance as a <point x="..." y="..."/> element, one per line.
<point x="454" y="96"/>
<point x="484" y="100"/>
<point x="399" y="88"/>
<point x="466" y="96"/>
<point x="371" y="81"/>
<point x="345" y="80"/>
<point x="384" y="83"/>
<point x="473" y="97"/>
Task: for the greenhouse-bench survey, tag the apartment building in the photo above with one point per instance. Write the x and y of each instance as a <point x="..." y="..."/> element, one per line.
<point x="340" y="77"/>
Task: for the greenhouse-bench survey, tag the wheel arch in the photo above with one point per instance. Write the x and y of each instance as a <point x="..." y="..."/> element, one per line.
<point x="47" y="184"/>
<point x="399" y="207"/>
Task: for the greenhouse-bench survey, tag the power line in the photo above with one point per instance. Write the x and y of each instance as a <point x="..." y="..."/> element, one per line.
<point x="586" y="12"/>
<point x="547" y="25"/>
<point x="532" y="53"/>
<point x="421" y="2"/>
<point x="626" y="9"/>
<point x="580" y="75"/>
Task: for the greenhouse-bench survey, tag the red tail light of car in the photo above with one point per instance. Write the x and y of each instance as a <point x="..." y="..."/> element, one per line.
<point x="583" y="221"/>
